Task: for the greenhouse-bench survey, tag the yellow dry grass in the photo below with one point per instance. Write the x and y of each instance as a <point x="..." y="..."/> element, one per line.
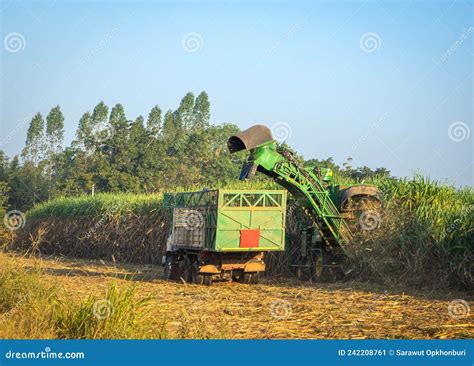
<point x="284" y="310"/>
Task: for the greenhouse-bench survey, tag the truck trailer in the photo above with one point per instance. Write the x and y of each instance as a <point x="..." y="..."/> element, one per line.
<point x="223" y="234"/>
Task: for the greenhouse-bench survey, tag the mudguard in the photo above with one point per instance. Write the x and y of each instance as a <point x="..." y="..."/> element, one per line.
<point x="360" y="190"/>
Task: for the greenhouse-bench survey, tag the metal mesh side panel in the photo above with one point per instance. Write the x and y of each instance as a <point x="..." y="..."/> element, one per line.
<point x="188" y="227"/>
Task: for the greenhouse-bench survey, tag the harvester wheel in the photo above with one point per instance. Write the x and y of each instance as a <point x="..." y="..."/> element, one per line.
<point x="326" y="267"/>
<point x="323" y="268"/>
<point x="299" y="273"/>
<point x="318" y="266"/>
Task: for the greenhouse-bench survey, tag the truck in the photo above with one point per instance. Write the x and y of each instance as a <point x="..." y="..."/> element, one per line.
<point x="223" y="234"/>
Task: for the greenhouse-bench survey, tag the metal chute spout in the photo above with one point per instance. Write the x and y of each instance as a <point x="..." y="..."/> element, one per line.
<point x="250" y="138"/>
<point x="248" y="170"/>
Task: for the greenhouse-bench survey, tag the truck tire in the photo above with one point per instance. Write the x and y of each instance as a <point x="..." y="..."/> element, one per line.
<point x="172" y="267"/>
<point x="196" y="277"/>
<point x="250" y="278"/>
<point x="188" y="270"/>
<point x="167" y="268"/>
<point x="207" y="279"/>
<point x="199" y="279"/>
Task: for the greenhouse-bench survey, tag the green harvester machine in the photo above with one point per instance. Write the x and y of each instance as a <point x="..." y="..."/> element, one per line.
<point x="224" y="234"/>
<point x="331" y="211"/>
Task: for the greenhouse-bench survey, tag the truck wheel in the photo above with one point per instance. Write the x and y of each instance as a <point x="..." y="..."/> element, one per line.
<point x="188" y="270"/>
<point x="167" y="268"/>
<point x="199" y="279"/>
<point x="171" y="268"/>
<point x="251" y="278"/>
<point x="207" y="279"/>
<point x="196" y="277"/>
<point x="239" y="277"/>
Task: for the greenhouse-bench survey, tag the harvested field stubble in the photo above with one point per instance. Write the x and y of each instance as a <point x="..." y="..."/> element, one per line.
<point x="284" y="311"/>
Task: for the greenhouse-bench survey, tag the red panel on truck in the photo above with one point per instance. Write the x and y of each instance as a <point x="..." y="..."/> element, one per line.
<point x="249" y="238"/>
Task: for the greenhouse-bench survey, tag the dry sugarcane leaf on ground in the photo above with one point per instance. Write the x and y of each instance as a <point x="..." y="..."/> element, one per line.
<point x="287" y="310"/>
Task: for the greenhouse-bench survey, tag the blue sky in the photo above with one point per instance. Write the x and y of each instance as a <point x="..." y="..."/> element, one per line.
<point x="386" y="83"/>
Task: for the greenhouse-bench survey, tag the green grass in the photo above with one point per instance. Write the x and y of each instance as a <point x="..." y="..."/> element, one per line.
<point x="118" y="315"/>
<point x="24" y="302"/>
<point x="31" y="307"/>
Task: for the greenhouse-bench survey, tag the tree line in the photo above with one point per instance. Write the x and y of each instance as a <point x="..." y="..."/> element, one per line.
<point x="111" y="153"/>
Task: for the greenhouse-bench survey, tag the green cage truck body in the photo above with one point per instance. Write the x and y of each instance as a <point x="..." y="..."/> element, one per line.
<point x="223" y="234"/>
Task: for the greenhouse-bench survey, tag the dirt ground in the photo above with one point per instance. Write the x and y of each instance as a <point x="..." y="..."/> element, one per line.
<point x="285" y="309"/>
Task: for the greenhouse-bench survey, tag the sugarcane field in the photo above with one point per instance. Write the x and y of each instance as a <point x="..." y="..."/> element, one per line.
<point x="258" y="182"/>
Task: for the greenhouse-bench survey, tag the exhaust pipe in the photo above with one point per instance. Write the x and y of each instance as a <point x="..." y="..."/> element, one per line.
<point x="250" y="138"/>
